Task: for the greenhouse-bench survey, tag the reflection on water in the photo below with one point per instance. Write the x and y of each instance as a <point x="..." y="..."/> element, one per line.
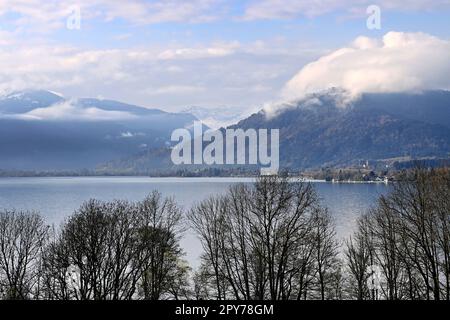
<point x="56" y="198"/>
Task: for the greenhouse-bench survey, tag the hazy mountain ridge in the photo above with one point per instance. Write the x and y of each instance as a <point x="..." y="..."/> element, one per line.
<point x="324" y="129"/>
<point x="25" y="101"/>
<point x="329" y="129"/>
<point x="40" y="130"/>
<point x="321" y="131"/>
<point x="218" y="117"/>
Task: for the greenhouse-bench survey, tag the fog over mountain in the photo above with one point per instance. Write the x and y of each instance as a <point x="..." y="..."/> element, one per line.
<point x="398" y="62"/>
<point x="41" y="130"/>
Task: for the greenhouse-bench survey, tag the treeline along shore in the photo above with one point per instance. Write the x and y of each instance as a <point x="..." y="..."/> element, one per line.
<point x="376" y="172"/>
<point x="269" y="240"/>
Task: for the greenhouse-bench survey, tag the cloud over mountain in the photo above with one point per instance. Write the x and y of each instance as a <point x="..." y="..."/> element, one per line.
<point x="399" y="62"/>
<point x="68" y="110"/>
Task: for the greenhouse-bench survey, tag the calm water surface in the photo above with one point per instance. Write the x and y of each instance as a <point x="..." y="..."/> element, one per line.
<point x="56" y="198"/>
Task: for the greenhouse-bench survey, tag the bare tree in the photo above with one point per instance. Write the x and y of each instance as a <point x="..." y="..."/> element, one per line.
<point x="326" y="251"/>
<point x="117" y="250"/>
<point x="359" y="253"/>
<point x="259" y="241"/>
<point x="413" y="202"/>
<point x="267" y="240"/>
<point x="440" y="189"/>
<point x="158" y="230"/>
<point x="22" y="237"/>
<point x="409" y="237"/>
<point x="207" y="218"/>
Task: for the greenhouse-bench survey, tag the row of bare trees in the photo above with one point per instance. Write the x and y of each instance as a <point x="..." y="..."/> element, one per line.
<point x="105" y="250"/>
<point x="401" y="248"/>
<point x="268" y="240"/>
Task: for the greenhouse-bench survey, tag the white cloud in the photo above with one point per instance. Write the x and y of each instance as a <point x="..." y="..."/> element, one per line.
<point x="68" y="110"/>
<point x="287" y="9"/>
<point x="129" y="134"/>
<point x="146" y="12"/>
<point x="217" y="50"/>
<point x="37" y="15"/>
<point x="399" y="62"/>
<point x="170" y="76"/>
<point x="43" y="16"/>
<point x="175" y="89"/>
<point x="6" y="38"/>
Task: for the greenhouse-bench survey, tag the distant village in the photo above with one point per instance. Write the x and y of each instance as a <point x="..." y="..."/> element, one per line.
<point x="361" y="172"/>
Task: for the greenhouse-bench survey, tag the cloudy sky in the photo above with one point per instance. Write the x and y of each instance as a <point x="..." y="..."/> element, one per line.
<point x="211" y="53"/>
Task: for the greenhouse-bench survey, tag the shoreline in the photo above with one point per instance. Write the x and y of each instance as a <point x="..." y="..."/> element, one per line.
<point x="189" y="179"/>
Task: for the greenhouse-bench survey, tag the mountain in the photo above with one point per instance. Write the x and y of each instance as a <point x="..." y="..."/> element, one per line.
<point x="28" y="100"/>
<point x="41" y="130"/>
<point x="330" y="128"/>
<point x="218" y="117"/>
<point x="326" y="129"/>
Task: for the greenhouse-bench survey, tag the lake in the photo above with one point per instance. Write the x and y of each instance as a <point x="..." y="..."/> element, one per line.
<point x="57" y="197"/>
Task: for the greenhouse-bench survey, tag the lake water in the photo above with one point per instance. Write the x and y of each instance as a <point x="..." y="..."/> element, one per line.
<point x="56" y="198"/>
